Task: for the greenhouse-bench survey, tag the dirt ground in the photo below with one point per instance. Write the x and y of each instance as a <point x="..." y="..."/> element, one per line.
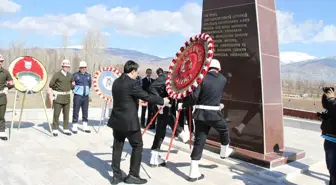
<point x="35" y="101"/>
<point x="304" y="104"/>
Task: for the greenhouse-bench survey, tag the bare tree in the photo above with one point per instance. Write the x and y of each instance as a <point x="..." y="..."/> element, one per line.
<point x="16" y="50"/>
<point x="93" y="51"/>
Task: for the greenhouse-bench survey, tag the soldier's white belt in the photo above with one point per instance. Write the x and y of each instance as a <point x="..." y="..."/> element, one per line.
<point x="208" y="107"/>
<point x="62" y="93"/>
<point x="4" y="91"/>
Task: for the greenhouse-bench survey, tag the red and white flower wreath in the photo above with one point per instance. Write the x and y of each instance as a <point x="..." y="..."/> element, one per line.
<point x="96" y="83"/>
<point x="208" y="43"/>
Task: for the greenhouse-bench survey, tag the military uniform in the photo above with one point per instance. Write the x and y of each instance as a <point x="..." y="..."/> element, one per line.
<point x="81" y="99"/>
<point x="207" y="100"/>
<point x="166" y="117"/>
<point x="6" y="83"/>
<point x="61" y="83"/>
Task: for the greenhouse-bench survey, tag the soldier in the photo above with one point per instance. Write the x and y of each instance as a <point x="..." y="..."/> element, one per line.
<point x="166" y="117"/>
<point x="207" y="98"/>
<point x="62" y="83"/>
<point x="81" y="97"/>
<point x="6" y="83"/>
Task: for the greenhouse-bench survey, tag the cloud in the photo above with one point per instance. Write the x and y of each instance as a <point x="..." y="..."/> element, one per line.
<point x="290" y="57"/>
<point x="107" y="34"/>
<point x="309" y="31"/>
<point x="185" y="21"/>
<point x="8" y="6"/>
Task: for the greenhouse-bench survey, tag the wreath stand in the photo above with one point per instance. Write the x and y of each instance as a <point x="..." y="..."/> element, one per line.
<point x="101" y="90"/>
<point x="21" y="110"/>
<point x="103" y="115"/>
<point x="183" y="64"/>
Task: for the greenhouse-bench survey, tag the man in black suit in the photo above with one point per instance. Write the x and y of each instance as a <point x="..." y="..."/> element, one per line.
<point x="125" y="122"/>
<point x="146" y="82"/>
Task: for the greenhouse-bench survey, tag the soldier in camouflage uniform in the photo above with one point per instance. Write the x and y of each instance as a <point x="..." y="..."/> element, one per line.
<point x="62" y="83"/>
<point x="6" y="83"/>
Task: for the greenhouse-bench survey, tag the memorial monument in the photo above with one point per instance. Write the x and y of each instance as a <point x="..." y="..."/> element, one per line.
<point x="246" y="44"/>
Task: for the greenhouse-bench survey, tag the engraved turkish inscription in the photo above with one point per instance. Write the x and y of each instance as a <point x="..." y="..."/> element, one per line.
<point x="229" y="33"/>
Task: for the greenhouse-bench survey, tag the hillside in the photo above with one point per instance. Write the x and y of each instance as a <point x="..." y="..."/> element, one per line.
<point x="323" y="69"/>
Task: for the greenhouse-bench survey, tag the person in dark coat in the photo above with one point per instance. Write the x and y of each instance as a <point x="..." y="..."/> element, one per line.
<point x="125" y="122"/>
<point x="328" y="128"/>
<point x="138" y="78"/>
<point x="166" y="117"/>
<point x="146" y="82"/>
<point x="207" y="100"/>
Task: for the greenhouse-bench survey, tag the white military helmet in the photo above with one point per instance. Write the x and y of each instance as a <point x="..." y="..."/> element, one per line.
<point x="2" y="58"/>
<point x="82" y="64"/>
<point x="66" y="63"/>
<point x="215" y="64"/>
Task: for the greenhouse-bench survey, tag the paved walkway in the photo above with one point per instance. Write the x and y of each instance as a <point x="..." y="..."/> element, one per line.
<point x="32" y="157"/>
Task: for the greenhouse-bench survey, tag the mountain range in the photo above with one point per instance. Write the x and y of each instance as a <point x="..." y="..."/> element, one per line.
<point x="321" y="69"/>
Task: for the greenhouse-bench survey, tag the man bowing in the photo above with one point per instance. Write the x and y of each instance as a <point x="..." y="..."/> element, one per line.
<point x="125" y="122"/>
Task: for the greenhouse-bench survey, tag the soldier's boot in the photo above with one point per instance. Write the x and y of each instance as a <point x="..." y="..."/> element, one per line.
<point x="85" y="127"/>
<point x="225" y="151"/>
<point x="67" y="132"/>
<point x="156" y="160"/>
<point x="239" y="129"/>
<point x="3" y="136"/>
<point x="194" y="173"/>
<point x="74" y="128"/>
<point x="184" y="136"/>
<point x="55" y="132"/>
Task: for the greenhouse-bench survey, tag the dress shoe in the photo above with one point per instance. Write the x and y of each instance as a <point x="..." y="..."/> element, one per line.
<point x="4" y="138"/>
<point x="116" y="180"/>
<point x="196" y="179"/>
<point x="130" y="179"/>
<point x="67" y="132"/>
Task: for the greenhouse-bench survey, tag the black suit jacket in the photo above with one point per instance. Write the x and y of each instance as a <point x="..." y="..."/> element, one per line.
<point x="146" y="83"/>
<point x="125" y="92"/>
<point x="208" y="93"/>
<point x="158" y="88"/>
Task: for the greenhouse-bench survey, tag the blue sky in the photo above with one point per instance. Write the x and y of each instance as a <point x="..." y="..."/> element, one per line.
<point x="302" y="21"/>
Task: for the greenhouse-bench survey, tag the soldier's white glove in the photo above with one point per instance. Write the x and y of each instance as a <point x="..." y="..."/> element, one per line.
<point x="54" y="96"/>
<point x="5" y="90"/>
<point x="221" y="106"/>
<point x="160" y="107"/>
<point x="179" y="106"/>
<point x="165" y="101"/>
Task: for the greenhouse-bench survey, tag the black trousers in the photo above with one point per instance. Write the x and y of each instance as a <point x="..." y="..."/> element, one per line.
<point x="162" y="121"/>
<point x="330" y="156"/>
<point x="80" y="102"/>
<point x="185" y="116"/>
<point x="150" y="114"/>
<point x="201" y="134"/>
<point x="135" y="140"/>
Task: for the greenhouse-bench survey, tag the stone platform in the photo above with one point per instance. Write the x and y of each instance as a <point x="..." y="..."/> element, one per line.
<point x="32" y="157"/>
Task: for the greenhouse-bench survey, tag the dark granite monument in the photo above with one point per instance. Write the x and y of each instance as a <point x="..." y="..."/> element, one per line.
<point x="246" y="44"/>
